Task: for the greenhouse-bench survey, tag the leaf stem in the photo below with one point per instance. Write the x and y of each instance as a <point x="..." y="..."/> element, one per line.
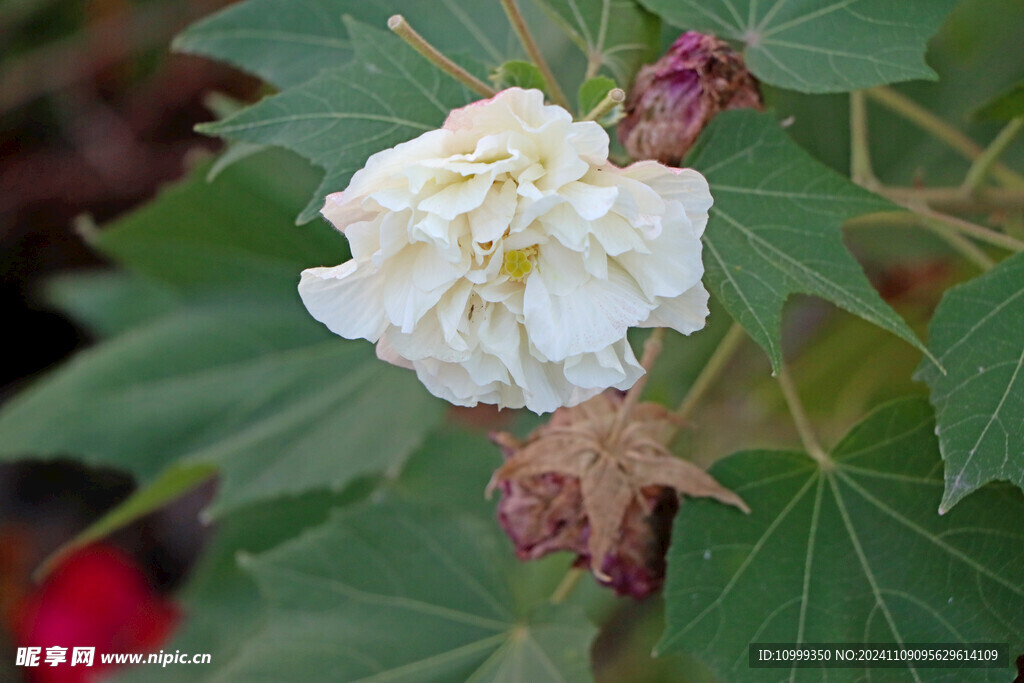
<point x="968" y="249"/>
<point x="565" y="587"/>
<point x="652" y="349"/>
<point x="615" y="96"/>
<point x="860" y="154"/>
<point x="800" y="419"/>
<point x="953" y="199"/>
<point x="961" y="244"/>
<point x="515" y="17"/>
<point x="716" y="363"/>
<point x="982" y="166"/>
<point x="976" y="231"/>
<point x="403" y="30"/>
<point x="927" y="121"/>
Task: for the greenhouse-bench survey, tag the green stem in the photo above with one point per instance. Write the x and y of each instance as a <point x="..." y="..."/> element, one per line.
<point x="652" y="349"/>
<point x="716" y="363"/>
<point x="615" y="96"/>
<point x="927" y="121"/>
<point x="974" y="230"/>
<point x="403" y="30"/>
<point x="954" y="199"/>
<point x="982" y="166"/>
<point x="568" y="583"/>
<point x="800" y="419"/>
<point x="968" y="249"/>
<point x="961" y="244"/>
<point x="860" y="155"/>
<point x="515" y="17"/>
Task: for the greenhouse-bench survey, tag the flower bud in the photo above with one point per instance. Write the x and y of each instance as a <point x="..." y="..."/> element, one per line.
<point x="674" y="98"/>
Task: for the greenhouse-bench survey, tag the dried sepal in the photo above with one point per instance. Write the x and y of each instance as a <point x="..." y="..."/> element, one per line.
<point x="595" y="481"/>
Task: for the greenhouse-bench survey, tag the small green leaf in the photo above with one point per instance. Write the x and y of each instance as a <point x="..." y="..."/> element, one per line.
<point x="172" y="484"/>
<point x="618" y="35"/>
<point x="518" y="74"/>
<point x="407" y="592"/>
<point x="850" y="554"/>
<point x="978" y="335"/>
<point x="287" y="42"/>
<point x="339" y="118"/>
<point x="593" y="91"/>
<point x="775" y="229"/>
<point x="817" y="45"/>
<point x="1007" y="105"/>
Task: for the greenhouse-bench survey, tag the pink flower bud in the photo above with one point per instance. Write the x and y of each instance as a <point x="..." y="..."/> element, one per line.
<point x="674" y="98"/>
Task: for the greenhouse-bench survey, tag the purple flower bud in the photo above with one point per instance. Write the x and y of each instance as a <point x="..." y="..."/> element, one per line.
<point x="674" y="98"/>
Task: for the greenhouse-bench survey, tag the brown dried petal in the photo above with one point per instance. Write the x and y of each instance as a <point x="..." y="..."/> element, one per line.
<point x="604" y="490"/>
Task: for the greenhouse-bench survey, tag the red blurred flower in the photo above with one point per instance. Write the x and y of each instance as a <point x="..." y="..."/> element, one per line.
<point x="98" y="598"/>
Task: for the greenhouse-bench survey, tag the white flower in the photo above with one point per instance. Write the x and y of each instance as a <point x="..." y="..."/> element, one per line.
<point x="503" y="257"/>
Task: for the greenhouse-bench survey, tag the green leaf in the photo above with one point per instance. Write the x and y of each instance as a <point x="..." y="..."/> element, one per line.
<point x="222" y="602"/>
<point x="407" y="592"/>
<point x="593" y="91"/>
<point x="617" y="35"/>
<point x="261" y="391"/>
<point x="452" y="468"/>
<point x="108" y="303"/>
<point x="234" y="233"/>
<point x="287" y="42"/>
<point x="850" y="554"/>
<point x="339" y="118"/>
<point x="819" y="45"/>
<point x="978" y="335"/>
<point x="775" y="229"/>
<point x="518" y="74"/>
<point x="1007" y="105"/>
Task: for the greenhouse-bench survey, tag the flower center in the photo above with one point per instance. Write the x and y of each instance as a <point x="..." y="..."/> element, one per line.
<point x="519" y="263"/>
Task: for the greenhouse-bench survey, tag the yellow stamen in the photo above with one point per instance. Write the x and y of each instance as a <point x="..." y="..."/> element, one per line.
<point x="517" y="264"/>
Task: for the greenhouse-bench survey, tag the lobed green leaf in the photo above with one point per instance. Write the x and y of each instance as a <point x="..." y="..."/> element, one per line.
<point x="339" y="118"/>
<point x="819" y="45"/>
<point x="775" y="229"/>
<point x="287" y="42"/>
<point x="617" y="35"/>
<point x="852" y="554"/>
<point x="978" y="335"/>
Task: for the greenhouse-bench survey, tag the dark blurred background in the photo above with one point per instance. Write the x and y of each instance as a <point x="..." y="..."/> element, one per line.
<point x="95" y="115"/>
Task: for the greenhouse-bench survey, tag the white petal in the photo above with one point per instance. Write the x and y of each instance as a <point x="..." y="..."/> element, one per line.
<point x="683" y="185"/>
<point x="387" y="353"/>
<point x="589" y="201"/>
<point x="458" y="197"/>
<point x="561" y="268"/>
<point x="347" y="299"/>
<point x="591" y="318"/>
<point x="673" y="264"/>
<point x="493" y="217"/>
<point x="612" y="366"/>
<point x="685" y="313"/>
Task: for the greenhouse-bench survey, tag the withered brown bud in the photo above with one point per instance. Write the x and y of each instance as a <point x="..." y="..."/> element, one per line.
<point x="598" y="481"/>
<point x="674" y="98"/>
